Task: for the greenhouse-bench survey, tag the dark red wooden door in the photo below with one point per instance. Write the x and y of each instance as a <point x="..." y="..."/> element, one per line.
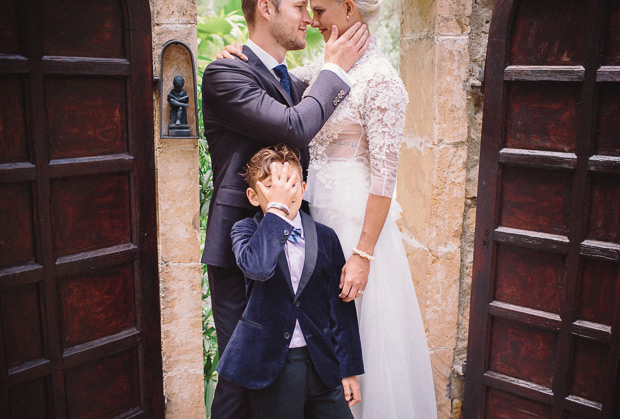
<point x="79" y="293"/>
<point x="545" y="312"/>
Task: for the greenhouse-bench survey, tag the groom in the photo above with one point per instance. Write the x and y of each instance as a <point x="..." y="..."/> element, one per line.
<point x="246" y="106"/>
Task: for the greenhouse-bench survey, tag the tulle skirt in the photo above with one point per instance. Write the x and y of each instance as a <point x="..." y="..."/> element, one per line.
<point x="398" y="382"/>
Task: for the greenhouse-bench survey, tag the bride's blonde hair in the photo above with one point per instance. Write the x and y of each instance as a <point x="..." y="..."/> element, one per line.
<point x="369" y="9"/>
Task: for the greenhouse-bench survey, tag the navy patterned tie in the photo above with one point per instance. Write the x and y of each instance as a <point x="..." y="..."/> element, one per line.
<point x="285" y="80"/>
<point x="295" y="236"/>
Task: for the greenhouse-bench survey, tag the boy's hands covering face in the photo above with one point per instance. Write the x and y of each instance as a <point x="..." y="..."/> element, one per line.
<point x="284" y="186"/>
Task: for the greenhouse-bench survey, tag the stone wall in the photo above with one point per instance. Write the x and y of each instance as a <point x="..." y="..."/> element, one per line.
<point x="176" y="163"/>
<point x="443" y="45"/>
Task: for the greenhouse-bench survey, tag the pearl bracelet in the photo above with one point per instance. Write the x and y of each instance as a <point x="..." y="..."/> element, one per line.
<point x="362" y="254"/>
<point x="279" y="206"/>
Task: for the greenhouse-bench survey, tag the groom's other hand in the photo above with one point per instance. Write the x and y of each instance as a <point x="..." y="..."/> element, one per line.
<point x="345" y="50"/>
<point x="232" y="52"/>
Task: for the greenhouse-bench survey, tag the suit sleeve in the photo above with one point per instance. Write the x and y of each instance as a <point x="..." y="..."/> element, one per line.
<point x="345" y="330"/>
<point x="257" y="248"/>
<point x="240" y="103"/>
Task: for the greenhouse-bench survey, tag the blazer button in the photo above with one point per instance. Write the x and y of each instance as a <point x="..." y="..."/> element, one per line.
<point x="283" y="239"/>
<point x="341" y="93"/>
<point x="285" y="232"/>
<point x="287" y="335"/>
<point x="326" y="330"/>
<point x="297" y="303"/>
<point x="335" y="102"/>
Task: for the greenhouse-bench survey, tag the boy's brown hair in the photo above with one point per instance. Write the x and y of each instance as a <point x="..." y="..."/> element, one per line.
<point x="258" y="168"/>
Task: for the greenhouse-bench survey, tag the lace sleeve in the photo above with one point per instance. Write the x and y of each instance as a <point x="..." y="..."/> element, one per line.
<point x="384" y="117"/>
<point x="307" y="72"/>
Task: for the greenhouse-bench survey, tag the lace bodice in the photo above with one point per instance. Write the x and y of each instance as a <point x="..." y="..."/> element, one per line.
<point x="367" y="127"/>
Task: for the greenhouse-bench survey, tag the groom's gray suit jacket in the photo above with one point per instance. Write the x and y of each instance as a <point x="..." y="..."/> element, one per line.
<point x="245" y="109"/>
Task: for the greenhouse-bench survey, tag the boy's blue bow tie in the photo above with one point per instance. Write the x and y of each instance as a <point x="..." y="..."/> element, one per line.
<point x="295" y="236"/>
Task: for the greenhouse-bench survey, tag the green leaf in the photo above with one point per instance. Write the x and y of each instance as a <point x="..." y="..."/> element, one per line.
<point x="214" y="25"/>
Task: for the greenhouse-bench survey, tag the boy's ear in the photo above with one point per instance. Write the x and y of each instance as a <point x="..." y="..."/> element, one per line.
<point x="252" y="196"/>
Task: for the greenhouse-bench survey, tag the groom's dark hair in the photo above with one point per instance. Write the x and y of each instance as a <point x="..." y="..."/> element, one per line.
<point x="249" y="9"/>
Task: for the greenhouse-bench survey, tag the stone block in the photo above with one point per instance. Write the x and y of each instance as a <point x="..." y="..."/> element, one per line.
<point x="165" y="32"/>
<point x="178" y="200"/>
<point x="440" y="294"/>
<point x="441" y="362"/>
<point x="418" y="259"/>
<point x="184" y="11"/>
<point x="415" y="171"/>
<point x="448" y="197"/>
<point x="418" y="18"/>
<point x="181" y="317"/>
<point x="453" y="17"/>
<point x="184" y="394"/>
<point x="450" y="107"/>
<point x="417" y="65"/>
<point x="180" y="290"/>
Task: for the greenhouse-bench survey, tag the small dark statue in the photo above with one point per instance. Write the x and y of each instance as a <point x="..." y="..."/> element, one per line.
<point x="179" y="102"/>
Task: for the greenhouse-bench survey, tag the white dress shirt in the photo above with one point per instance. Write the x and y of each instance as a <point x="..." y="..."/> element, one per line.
<point x="295" y="257"/>
<point x="271" y="62"/>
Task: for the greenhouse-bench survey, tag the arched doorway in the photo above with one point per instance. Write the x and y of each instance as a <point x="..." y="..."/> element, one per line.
<point x="545" y="314"/>
<point x="79" y="291"/>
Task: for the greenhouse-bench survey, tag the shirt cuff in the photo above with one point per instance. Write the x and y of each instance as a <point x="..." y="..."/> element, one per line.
<point x="335" y="68"/>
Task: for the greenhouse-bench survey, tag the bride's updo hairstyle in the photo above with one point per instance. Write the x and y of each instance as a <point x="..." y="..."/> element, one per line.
<point x="369" y="9"/>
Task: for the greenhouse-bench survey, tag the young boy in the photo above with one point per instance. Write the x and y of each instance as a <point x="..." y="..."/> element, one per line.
<point x="297" y="347"/>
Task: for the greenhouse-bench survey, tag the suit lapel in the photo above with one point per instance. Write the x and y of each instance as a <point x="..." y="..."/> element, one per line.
<point x="297" y="89"/>
<point x="311" y="252"/>
<point x="255" y="62"/>
<point x="283" y="264"/>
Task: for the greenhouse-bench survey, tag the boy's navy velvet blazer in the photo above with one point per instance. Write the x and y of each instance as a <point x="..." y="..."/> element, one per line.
<point x="257" y="349"/>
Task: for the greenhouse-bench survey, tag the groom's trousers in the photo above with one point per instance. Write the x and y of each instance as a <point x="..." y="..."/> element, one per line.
<point x="228" y="300"/>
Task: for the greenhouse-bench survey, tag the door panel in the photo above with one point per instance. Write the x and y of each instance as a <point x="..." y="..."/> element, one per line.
<point x="79" y="290"/>
<point x="544" y="329"/>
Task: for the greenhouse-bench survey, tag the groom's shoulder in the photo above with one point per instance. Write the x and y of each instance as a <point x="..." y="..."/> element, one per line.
<point x="226" y="64"/>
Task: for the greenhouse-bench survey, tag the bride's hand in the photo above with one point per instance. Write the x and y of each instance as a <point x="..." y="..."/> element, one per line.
<point x="354" y="278"/>
<point x="232" y="51"/>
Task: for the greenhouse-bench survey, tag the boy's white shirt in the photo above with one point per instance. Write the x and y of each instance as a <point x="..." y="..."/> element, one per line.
<point x="295" y="257"/>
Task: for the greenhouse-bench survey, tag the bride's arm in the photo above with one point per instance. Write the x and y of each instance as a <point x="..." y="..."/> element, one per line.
<point x="355" y="272"/>
<point x="384" y="115"/>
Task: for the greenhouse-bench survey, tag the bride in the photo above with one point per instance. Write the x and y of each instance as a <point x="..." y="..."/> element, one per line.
<point x="351" y="181"/>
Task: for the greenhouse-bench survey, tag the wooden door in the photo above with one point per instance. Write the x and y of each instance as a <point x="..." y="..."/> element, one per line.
<point x="79" y="292"/>
<point x="545" y="311"/>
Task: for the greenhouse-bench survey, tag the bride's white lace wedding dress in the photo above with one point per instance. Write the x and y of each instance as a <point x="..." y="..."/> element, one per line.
<point x="356" y="153"/>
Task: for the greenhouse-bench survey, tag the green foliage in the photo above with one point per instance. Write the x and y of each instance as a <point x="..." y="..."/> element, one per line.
<point x="227" y="26"/>
<point x="209" y="343"/>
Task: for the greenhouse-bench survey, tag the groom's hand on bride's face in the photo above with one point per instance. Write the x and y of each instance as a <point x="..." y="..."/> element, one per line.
<point x="232" y="52"/>
<point x="345" y="50"/>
